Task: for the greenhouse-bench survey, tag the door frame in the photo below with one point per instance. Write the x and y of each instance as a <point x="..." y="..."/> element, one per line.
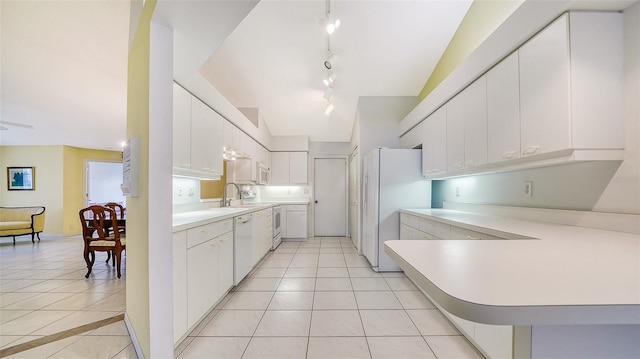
<point x="346" y="200"/>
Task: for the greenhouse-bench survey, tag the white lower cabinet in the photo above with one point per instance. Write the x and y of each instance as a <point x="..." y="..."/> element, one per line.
<point x="202" y="279"/>
<point x="494" y="341"/>
<point x="179" y="285"/>
<point x="202" y="272"/>
<point x="296" y="221"/>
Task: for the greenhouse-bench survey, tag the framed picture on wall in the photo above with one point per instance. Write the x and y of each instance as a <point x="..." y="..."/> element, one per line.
<point x="21" y="178"/>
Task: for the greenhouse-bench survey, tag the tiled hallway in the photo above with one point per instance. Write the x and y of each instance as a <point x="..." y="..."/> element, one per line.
<point x="320" y="299"/>
<point x="314" y="299"/>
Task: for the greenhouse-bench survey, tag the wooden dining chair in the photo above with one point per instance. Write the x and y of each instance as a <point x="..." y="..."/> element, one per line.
<point x="96" y="222"/>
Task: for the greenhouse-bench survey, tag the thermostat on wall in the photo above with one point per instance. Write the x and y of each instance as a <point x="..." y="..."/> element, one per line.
<point x="131" y="167"/>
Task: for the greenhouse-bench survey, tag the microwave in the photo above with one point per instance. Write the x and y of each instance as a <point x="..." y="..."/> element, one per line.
<point x="262" y="173"/>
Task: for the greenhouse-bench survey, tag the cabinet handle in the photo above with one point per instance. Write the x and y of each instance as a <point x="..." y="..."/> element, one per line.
<point x="530" y="150"/>
<point x="508" y="155"/>
<point x="473" y="237"/>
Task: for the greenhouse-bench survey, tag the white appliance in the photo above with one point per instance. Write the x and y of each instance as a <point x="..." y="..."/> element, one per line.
<point x="242" y="247"/>
<point x="262" y="173"/>
<point x="277" y="236"/>
<point x="392" y="180"/>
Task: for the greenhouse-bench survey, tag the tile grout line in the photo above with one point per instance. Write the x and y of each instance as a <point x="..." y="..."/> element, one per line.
<point x="60" y="335"/>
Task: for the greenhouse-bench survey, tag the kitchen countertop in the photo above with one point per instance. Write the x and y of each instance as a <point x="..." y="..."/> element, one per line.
<point x="186" y="220"/>
<point x="563" y="275"/>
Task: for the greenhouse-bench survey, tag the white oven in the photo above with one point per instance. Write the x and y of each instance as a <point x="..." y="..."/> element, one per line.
<point x="277" y="215"/>
<point x="262" y="173"/>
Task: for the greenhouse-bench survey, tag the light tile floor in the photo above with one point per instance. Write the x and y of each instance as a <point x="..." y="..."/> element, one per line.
<point x="43" y="291"/>
<point x="314" y="299"/>
<point x="320" y="299"/>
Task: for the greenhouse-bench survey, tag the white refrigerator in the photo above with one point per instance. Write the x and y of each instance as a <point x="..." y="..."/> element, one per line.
<point x="392" y="180"/>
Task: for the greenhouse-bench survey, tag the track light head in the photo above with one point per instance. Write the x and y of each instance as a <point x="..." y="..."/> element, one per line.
<point x="329" y="109"/>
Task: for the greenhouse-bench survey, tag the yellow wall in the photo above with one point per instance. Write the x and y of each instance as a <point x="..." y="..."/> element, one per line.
<point x="59" y="182"/>
<point x="74" y="182"/>
<point x="47" y="161"/>
<point x="214" y="189"/>
<point x="137" y="207"/>
<point x="482" y="19"/>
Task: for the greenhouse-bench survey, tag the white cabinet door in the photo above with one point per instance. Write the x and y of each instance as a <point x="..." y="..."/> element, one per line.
<point x="298" y="168"/>
<point x="467" y="127"/>
<point x="455" y="134"/>
<point x="296" y="224"/>
<point x="256" y="241"/>
<point x="503" y="110"/>
<point x="181" y="127"/>
<point x="227" y="129"/>
<point x="179" y="285"/>
<point x="434" y="145"/>
<point x="475" y="123"/>
<point x="202" y="279"/>
<point x="279" y="168"/>
<point x="206" y="132"/>
<point x="225" y="263"/>
<point x="544" y="90"/>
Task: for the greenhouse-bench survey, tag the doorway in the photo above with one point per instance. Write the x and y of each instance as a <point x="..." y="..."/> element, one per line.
<point x="330" y="194"/>
<point x="102" y="182"/>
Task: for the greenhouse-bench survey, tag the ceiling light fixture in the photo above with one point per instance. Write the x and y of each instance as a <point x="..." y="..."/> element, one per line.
<point x="329" y="109"/>
<point x="328" y="63"/>
<point x="328" y="81"/>
<point x="327" y="93"/>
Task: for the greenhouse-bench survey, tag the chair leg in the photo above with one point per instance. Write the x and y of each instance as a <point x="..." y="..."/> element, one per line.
<point x="108" y="256"/>
<point x="117" y="257"/>
<point x="38" y="234"/>
<point x="14" y="239"/>
<point x="33" y="235"/>
<point x="88" y="261"/>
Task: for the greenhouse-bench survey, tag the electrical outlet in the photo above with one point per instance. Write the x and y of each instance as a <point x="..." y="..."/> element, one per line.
<point x="528" y="188"/>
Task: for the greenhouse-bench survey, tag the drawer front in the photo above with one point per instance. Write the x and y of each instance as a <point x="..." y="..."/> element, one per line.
<point x="296" y="207"/>
<point x="435" y="229"/>
<point x="225" y="226"/>
<point x="462" y="233"/>
<point x="201" y="234"/>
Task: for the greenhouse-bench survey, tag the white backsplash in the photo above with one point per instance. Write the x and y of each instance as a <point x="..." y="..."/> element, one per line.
<point x="281" y="193"/>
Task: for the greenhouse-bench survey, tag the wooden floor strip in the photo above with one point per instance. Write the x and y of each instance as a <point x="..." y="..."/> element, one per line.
<point x="59" y="336"/>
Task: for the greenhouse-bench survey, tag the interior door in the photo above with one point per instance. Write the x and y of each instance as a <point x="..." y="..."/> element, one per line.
<point x="103" y="180"/>
<point x="354" y="198"/>
<point x="330" y="191"/>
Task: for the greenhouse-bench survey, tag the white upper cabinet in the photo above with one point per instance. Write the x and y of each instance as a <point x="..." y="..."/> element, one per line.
<point x="231" y="136"/>
<point x="467" y="127"/>
<point x="298" y="168"/>
<point x="279" y="168"/>
<point x="544" y="90"/>
<point x="503" y="110"/>
<point x="557" y="99"/>
<point x="288" y="168"/>
<point x="181" y="128"/>
<point x="571" y="85"/>
<point x="197" y="137"/>
<point x="206" y="138"/>
<point x="434" y="144"/>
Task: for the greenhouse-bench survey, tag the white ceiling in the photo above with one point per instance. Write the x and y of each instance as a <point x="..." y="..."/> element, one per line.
<point x="64" y="63"/>
<point x="64" y="72"/>
<point x="273" y="60"/>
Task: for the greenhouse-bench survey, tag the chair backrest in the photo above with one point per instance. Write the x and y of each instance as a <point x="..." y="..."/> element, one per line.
<point x="117" y="207"/>
<point x="96" y="220"/>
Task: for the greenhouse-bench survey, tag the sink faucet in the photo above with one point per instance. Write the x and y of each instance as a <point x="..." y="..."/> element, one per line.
<point x="224" y="194"/>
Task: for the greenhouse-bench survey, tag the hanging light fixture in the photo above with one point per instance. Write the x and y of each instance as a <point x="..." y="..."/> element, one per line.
<point x="327" y="93"/>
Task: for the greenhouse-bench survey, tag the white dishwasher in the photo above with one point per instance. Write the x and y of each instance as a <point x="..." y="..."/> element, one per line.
<point x="242" y="247"/>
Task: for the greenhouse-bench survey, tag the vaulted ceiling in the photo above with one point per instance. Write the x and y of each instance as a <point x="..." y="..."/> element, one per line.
<point x="64" y="63"/>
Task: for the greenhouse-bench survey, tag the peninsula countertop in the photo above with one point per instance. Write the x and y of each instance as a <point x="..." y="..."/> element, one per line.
<point x="563" y="275"/>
